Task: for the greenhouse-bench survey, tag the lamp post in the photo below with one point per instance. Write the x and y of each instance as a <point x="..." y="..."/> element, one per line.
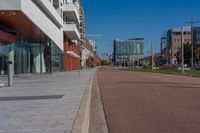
<point x="124" y="55"/>
<point x="182" y="52"/>
<point x="80" y="59"/>
<point x="192" y="22"/>
<point x="137" y="56"/>
<point x="152" y="56"/>
<point x="192" y="41"/>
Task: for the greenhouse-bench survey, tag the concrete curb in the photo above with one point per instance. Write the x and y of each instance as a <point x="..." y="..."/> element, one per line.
<point x="81" y="123"/>
<point x="98" y="122"/>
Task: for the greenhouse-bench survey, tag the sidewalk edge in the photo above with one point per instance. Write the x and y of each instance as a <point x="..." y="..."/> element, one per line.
<point x="97" y="112"/>
<point x="81" y="123"/>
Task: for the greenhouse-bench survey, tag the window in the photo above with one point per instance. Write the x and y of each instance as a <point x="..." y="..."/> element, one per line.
<point x="185" y="40"/>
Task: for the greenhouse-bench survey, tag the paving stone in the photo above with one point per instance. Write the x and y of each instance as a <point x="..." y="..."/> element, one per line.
<point x="42" y="115"/>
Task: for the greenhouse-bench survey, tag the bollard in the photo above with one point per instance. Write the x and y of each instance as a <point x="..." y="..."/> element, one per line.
<point x="10" y="74"/>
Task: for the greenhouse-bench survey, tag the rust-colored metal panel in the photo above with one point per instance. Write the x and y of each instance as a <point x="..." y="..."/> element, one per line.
<point x="22" y="25"/>
<point x="7" y="37"/>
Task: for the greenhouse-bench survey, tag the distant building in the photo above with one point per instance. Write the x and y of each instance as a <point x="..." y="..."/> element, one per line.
<point x="88" y="53"/>
<point x="127" y="51"/>
<point x="164" y="48"/>
<point x="171" y="44"/>
<point x="196" y="36"/>
<point x="196" y="41"/>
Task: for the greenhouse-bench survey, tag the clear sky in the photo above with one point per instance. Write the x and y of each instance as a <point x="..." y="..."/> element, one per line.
<point x="124" y="19"/>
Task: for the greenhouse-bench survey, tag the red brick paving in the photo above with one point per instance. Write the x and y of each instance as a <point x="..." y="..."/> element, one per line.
<point x="137" y="102"/>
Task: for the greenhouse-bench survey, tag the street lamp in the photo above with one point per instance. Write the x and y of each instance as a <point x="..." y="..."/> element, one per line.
<point x="182" y="52"/>
<point x="192" y="22"/>
<point x="137" y="56"/>
<point x="124" y="54"/>
<point x="152" y="56"/>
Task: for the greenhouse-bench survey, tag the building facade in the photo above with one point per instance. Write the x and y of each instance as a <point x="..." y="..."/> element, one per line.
<point x="88" y="54"/>
<point x="196" y="41"/>
<point x="42" y="35"/>
<point x="164" y="48"/>
<point x="196" y="37"/>
<point x="125" y="52"/>
<point x="88" y="47"/>
<point x="171" y="45"/>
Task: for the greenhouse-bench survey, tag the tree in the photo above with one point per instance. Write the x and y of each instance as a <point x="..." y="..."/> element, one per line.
<point x="197" y="55"/>
<point x="187" y="53"/>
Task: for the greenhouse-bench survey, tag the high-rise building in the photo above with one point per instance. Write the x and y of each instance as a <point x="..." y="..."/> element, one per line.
<point x="43" y="35"/>
<point x="127" y="51"/>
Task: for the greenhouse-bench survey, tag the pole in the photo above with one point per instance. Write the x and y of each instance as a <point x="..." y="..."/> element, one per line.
<point x="192" y="42"/>
<point x="137" y="56"/>
<point x="152" y="53"/>
<point x="124" y="55"/>
<point x="10" y="67"/>
<point x="80" y="60"/>
<point x="192" y="22"/>
<point x="182" y="52"/>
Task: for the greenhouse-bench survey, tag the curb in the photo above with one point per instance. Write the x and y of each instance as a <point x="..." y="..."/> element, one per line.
<point x="98" y="123"/>
<point x="81" y="123"/>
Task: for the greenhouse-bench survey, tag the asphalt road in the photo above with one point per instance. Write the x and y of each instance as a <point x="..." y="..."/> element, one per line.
<point x="137" y="102"/>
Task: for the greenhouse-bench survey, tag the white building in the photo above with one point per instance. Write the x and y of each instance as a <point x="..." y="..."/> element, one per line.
<point x="88" y="53"/>
<point x="40" y="33"/>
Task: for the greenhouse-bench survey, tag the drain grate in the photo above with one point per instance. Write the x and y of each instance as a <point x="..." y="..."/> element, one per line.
<point x="44" y="97"/>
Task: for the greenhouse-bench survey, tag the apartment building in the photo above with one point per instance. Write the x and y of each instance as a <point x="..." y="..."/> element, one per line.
<point x="42" y="35"/>
<point x="88" y="54"/>
<point x="88" y="46"/>
<point x="127" y="51"/>
<point x="171" y="44"/>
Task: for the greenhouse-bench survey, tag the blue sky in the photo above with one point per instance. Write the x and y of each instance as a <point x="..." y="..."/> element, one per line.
<point x="124" y="19"/>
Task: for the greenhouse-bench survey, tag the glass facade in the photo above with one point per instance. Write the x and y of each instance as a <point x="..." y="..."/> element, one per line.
<point x="31" y="57"/>
<point x="128" y="50"/>
<point x="197" y="35"/>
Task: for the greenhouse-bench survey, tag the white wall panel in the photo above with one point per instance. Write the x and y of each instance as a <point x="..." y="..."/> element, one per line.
<point x="10" y="4"/>
<point x="43" y="22"/>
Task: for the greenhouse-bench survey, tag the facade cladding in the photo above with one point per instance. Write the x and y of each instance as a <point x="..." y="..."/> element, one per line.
<point x="128" y="51"/>
<point x="41" y="36"/>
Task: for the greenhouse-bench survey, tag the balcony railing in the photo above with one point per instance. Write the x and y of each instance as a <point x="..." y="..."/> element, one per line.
<point x="70" y="29"/>
<point x="71" y="11"/>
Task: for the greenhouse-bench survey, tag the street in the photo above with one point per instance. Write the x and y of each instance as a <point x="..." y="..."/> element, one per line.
<point x="137" y="102"/>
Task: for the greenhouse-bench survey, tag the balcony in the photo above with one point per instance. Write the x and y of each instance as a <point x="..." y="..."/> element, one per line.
<point x="70" y="11"/>
<point x="30" y="19"/>
<point x="49" y="9"/>
<point x="71" y="31"/>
